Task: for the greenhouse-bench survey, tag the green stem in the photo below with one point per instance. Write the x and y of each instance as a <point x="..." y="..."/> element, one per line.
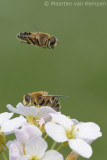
<point x="53" y="146"/>
<point x="45" y="136"/>
<point x="3" y="155"/>
<point x="59" y="147"/>
<point x="6" y="147"/>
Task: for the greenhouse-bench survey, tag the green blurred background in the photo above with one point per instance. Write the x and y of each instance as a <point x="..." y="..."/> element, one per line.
<point x="77" y="67"/>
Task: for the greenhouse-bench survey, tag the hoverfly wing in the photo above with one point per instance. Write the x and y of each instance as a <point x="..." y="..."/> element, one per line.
<point x="59" y="96"/>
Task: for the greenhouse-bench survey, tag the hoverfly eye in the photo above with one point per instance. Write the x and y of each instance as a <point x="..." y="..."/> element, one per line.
<point x="27" y="98"/>
<point x="25" y="34"/>
<point x="35" y="103"/>
<point x="52" y="40"/>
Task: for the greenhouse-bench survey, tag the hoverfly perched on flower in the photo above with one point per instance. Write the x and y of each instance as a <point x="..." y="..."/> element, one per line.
<point x="40" y="39"/>
<point x="42" y="98"/>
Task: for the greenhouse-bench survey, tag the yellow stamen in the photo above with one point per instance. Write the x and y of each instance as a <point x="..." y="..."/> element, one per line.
<point x="34" y="158"/>
<point x="70" y="133"/>
<point x="32" y="120"/>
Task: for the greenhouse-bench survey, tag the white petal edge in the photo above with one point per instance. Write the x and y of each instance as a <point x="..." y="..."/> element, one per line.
<point x="62" y="120"/>
<point x="26" y="111"/>
<point x="56" y="132"/>
<point x="5" y="116"/>
<point x="52" y="155"/>
<point x="13" y="109"/>
<point x="26" y="132"/>
<point x="36" y="146"/>
<point x="88" y="130"/>
<point x="45" y="110"/>
<point x="23" y="110"/>
<point x="11" y="125"/>
<point x="81" y="147"/>
<point x="75" y="121"/>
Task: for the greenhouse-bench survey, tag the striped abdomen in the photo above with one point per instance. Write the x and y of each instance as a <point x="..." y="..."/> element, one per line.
<point x="28" y="37"/>
<point x="47" y="101"/>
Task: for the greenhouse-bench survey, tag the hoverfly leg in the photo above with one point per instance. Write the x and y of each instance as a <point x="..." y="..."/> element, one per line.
<point x="24" y="42"/>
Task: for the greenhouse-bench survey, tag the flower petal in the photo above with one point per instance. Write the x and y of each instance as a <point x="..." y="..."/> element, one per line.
<point x="5" y="116"/>
<point x="62" y="120"/>
<point x="52" y="155"/>
<point x="18" y="144"/>
<point x="75" y="121"/>
<point x="42" y="112"/>
<point x="56" y="132"/>
<point x="11" y="125"/>
<point x="26" y="111"/>
<point x="81" y="147"/>
<point x="23" y="110"/>
<point x="12" y="109"/>
<point x="27" y="157"/>
<point x="45" y="111"/>
<point x="27" y="132"/>
<point x="88" y="130"/>
<point x="36" y="147"/>
<point x="89" y="141"/>
<point x="13" y="152"/>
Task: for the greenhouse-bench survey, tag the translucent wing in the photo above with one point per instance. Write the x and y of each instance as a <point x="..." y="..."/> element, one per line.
<point x="60" y="96"/>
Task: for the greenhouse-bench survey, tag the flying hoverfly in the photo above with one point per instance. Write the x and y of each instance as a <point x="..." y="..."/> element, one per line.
<point x="40" y="39"/>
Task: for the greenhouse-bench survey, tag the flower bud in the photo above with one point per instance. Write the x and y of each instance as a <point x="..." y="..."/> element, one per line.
<point x="2" y="141"/>
<point x="72" y="156"/>
<point x="2" y="138"/>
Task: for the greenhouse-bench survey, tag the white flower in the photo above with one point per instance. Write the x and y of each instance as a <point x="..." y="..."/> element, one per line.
<point x="62" y="129"/>
<point x="23" y="135"/>
<point x="29" y="112"/>
<point x="35" y="149"/>
<point x="7" y="126"/>
<point x="27" y="132"/>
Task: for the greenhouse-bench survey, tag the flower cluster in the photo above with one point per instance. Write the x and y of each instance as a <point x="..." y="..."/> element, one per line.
<point x="34" y="125"/>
